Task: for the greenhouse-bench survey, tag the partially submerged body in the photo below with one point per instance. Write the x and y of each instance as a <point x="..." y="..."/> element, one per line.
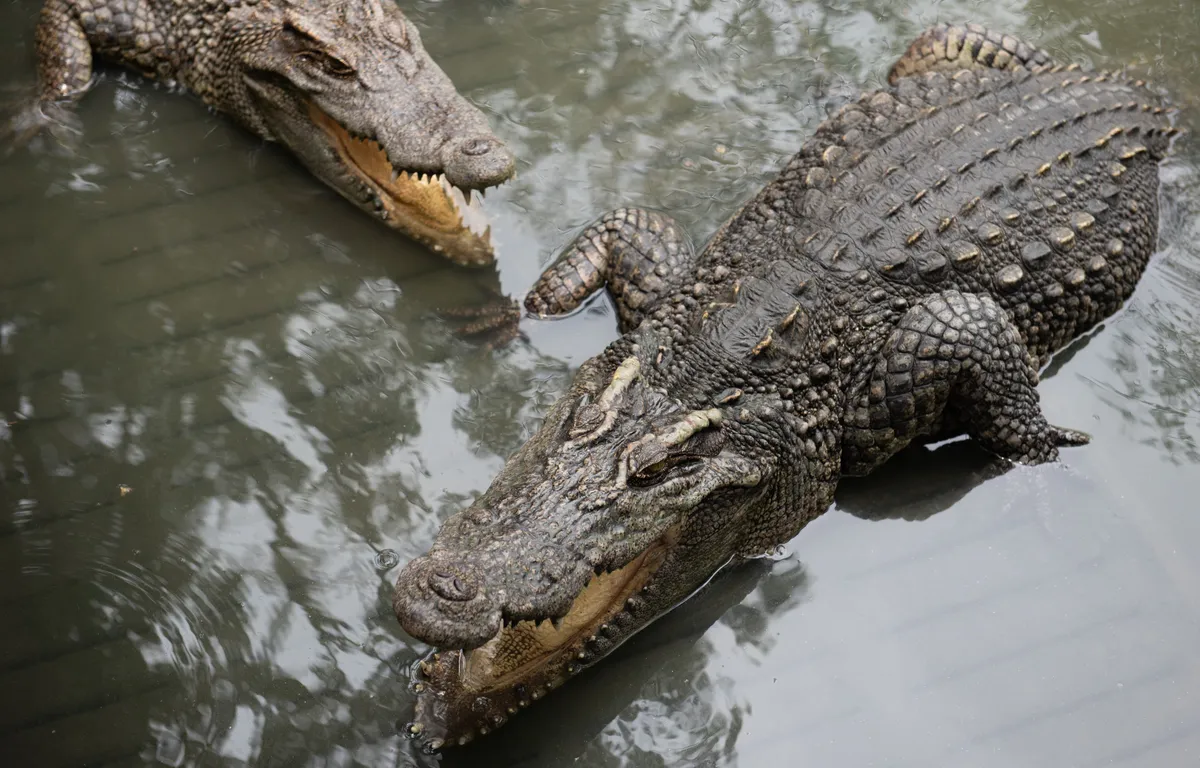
<point x="346" y="85"/>
<point x="902" y="280"/>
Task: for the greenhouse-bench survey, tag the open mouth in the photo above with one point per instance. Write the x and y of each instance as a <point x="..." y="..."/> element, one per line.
<point x="425" y="206"/>
<point x="464" y="694"/>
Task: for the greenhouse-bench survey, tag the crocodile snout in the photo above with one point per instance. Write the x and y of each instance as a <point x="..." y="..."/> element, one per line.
<point x="446" y="603"/>
<point x="476" y="162"/>
<point x="451" y="586"/>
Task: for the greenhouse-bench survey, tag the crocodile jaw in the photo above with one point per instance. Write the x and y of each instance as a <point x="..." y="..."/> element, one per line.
<point x="424" y="206"/>
<point x="464" y="694"/>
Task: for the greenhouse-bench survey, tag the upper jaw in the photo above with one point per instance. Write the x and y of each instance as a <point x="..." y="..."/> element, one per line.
<point x="461" y="601"/>
<point x="459" y="146"/>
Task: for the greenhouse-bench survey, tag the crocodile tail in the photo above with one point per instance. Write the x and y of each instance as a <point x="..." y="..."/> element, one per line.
<point x="952" y="47"/>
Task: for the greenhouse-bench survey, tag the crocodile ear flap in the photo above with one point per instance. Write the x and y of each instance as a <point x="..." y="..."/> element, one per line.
<point x="706" y="442"/>
<point x="307" y="47"/>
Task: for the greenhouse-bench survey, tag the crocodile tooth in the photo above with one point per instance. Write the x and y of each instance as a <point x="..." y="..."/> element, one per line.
<point x="470" y="214"/>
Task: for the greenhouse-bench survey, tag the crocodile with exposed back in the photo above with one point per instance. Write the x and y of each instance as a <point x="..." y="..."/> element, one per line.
<point x="902" y="280"/>
<point x="346" y="85"/>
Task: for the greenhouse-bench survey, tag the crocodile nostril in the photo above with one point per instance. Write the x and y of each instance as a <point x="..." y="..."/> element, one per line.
<point x="476" y="147"/>
<point x="451" y="586"/>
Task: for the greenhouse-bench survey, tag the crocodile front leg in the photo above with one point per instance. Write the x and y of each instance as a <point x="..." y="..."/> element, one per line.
<point x="64" y="73"/>
<point x="953" y="359"/>
<point x="639" y="255"/>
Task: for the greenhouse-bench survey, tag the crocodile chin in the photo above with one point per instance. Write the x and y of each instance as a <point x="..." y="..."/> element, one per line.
<point x="464" y="694"/>
<point x="424" y="206"/>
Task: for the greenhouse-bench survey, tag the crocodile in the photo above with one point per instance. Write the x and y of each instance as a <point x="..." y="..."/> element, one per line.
<point x="901" y="281"/>
<point x="346" y="85"/>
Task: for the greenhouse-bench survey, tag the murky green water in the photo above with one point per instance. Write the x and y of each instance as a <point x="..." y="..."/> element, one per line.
<point x="223" y="395"/>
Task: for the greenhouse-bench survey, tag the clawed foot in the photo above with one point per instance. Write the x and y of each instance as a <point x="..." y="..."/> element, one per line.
<point x="1068" y="438"/>
<point x="1041" y="445"/>
<point x="495" y="324"/>
<point x="33" y="119"/>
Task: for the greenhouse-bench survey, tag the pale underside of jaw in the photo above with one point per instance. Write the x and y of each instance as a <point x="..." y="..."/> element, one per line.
<point x="467" y="205"/>
<point x="526" y="659"/>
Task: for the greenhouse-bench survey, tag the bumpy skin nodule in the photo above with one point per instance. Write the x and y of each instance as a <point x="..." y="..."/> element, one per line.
<point x="268" y="64"/>
<point x="902" y="279"/>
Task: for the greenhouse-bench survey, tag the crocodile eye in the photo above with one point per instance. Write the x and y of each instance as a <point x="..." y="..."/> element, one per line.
<point x="650" y="464"/>
<point x="327" y="63"/>
<point x="657" y="468"/>
<point x="659" y="471"/>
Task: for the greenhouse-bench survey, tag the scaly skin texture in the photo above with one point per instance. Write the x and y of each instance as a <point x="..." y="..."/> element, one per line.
<point x="901" y="280"/>
<point x="345" y="84"/>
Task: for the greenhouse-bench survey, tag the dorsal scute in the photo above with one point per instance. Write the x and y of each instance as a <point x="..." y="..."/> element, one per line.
<point x="763" y="312"/>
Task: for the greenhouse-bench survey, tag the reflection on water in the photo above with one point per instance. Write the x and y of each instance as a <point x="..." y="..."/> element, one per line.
<point x="228" y="406"/>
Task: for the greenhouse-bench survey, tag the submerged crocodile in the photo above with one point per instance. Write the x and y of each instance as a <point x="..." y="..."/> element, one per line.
<point x="345" y="84"/>
<point x="901" y="281"/>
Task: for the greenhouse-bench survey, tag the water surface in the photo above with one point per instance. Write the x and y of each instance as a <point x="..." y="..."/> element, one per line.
<point x="226" y="401"/>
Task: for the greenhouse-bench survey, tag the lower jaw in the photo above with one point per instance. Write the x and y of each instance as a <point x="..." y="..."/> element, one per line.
<point x="457" y="243"/>
<point x="463" y="251"/>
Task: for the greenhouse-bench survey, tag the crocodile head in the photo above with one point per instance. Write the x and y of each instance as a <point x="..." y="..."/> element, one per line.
<point x="348" y="87"/>
<point x="621" y="506"/>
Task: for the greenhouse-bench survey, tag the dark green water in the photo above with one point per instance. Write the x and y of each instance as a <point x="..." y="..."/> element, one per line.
<point x="223" y="395"/>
